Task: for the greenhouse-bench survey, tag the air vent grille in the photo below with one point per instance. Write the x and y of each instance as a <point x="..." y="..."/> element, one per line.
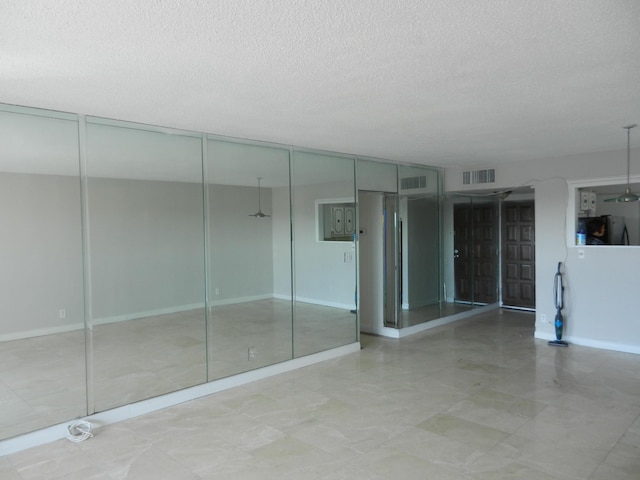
<point x="413" y="182"/>
<point x="471" y="177"/>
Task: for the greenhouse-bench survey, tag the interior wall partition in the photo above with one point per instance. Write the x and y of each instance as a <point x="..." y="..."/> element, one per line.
<point x="325" y="312"/>
<point x="419" y="246"/>
<point x="139" y="260"/>
<point x="249" y="257"/>
<point x="134" y="264"/>
<point x="145" y="262"/>
<point x="377" y="246"/>
<point x="42" y="337"/>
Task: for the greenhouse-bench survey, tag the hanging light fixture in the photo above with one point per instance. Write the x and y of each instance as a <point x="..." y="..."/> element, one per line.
<point x="259" y="213"/>
<point x="627" y="196"/>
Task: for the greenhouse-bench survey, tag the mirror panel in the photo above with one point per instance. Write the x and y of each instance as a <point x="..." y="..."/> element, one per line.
<point x="42" y="357"/>
<point x="249" y="257"/>
<point x="420" y="262"/>
<point x="146" y="263"/>
<point x="325" y="271"/>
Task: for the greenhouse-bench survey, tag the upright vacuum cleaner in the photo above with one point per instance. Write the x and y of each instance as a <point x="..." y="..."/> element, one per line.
<point x="558" y="297"/>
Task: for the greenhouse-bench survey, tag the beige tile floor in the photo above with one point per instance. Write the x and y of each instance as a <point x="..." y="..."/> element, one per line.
<point x="478" y="399"/>
<point x="43" y="379"/>
<point x="409" y="318"/>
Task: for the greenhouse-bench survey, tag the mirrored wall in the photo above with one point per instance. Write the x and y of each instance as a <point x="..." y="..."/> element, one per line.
<point x="141" y="260"/>
<point x="145" y="276"/>
<point x="324" y="220"/>
<point x="249" y="257"/>
<point x="42" y="337"/>
<point x="400" y="242"/>
<point x="419" y="258"/>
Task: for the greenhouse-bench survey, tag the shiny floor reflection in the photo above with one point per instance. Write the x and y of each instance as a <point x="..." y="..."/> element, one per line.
<point x="477" y="399"/>
<point x="409" y="318"/>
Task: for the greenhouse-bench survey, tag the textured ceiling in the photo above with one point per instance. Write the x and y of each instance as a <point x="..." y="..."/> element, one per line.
<point x="440" y="82"/>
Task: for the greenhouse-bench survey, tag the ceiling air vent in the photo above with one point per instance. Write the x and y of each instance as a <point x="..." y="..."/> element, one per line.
<point x="471" y="177"/>
<point x="413" y="182"/>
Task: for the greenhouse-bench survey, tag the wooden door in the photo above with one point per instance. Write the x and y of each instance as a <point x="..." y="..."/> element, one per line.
<point x="475" y="244"/>
<point x="518" y="255"/>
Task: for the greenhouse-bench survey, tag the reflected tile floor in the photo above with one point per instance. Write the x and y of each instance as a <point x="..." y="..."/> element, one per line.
<point x="477" y="399"/>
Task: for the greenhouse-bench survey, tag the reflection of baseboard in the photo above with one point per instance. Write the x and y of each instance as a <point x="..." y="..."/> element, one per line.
<point x="40" y="332"/>
<point x="315" y="301"/>
<point x="147" y="313"/>
<point x="231" y="301"/>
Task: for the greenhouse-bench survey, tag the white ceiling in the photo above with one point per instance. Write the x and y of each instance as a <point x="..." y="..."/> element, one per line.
<point x="439" y="82"/>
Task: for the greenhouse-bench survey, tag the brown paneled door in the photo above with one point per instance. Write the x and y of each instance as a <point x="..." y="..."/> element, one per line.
<point x="475" y="244"/>
<point x="518" y="255"/>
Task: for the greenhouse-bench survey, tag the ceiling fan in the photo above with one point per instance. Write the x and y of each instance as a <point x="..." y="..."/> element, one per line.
<point x="627" y="196"/>
<point x="259" y="213"/>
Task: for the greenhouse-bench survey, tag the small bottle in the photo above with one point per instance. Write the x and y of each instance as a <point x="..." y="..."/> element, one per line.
<point x="581" y="237"/>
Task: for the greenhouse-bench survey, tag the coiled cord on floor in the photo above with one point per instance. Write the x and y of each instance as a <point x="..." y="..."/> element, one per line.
<point x="79" y="431"/>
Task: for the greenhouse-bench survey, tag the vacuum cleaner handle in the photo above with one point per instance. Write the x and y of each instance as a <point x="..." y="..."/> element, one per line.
<point x="558" y="289"/>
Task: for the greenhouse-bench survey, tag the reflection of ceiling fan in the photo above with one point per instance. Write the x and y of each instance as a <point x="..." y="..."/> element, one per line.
<point x="259" y="213"/>
<point x="627" y="196"/>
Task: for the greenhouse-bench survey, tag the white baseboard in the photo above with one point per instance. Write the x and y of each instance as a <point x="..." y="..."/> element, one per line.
<point x="405" y="332"/>
<point x="590" y="342"/>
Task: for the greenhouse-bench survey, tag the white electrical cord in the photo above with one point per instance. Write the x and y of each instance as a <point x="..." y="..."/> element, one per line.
<point x="79" y="431"/>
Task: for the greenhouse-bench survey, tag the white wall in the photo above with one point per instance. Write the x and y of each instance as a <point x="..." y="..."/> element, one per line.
<point x="241" y="246"/>
<point x="281" y="234"/>
<point x="146" y="247"/>
<point x="40" y="255"/>
<point x="321" y="274"/>
<point x="601" y="308"/>
<point x="371" y="252"/>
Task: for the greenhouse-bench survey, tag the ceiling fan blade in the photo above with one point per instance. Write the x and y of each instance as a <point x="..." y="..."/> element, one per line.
<point x="259" y="214"/>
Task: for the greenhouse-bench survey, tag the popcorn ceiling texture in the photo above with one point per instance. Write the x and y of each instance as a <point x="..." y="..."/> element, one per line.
<point x="441" y="82"/>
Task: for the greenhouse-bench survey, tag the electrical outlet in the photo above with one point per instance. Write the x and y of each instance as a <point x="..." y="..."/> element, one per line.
<point x="62" y="313"/>
<point x="543" y="318"/>
<point x="252" y="353"/>
<point x="217" y="291"/>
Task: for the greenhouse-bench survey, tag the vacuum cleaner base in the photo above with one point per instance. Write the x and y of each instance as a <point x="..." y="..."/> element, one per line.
<point x="558" y="343"/>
